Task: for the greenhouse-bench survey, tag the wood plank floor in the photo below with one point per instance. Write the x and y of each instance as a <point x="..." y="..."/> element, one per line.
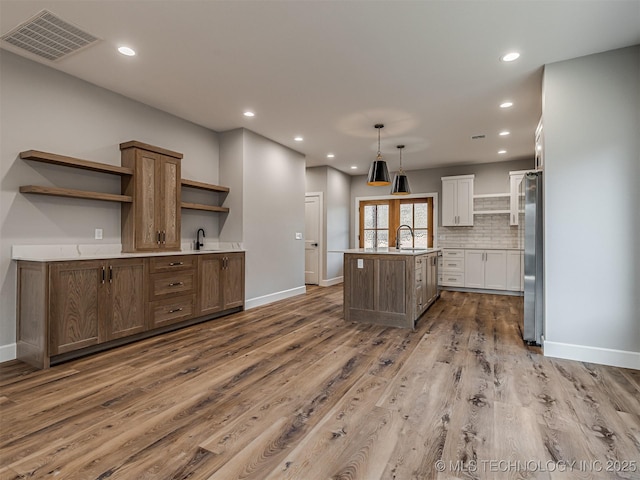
<point x="290" y="391"/>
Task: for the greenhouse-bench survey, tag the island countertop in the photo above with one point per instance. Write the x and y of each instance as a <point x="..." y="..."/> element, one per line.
<point x="391" y="251"/>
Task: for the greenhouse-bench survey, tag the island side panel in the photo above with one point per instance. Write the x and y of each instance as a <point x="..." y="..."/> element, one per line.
<point x="379" y="292"/>
<point x="32" y="304"/>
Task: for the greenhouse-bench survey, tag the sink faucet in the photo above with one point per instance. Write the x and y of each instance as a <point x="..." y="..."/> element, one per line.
<point x="198" y="242"/>
<point x="398" y="235"/>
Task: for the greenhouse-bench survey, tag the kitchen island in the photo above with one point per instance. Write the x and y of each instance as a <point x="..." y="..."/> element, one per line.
<point x="388" y="286"/>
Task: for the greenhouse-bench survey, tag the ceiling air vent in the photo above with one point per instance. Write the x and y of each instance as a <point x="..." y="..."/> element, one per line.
<point x="48" y="36"/>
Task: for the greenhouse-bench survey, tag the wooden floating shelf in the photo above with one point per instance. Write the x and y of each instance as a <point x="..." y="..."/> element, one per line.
<point x="54" y="159"/>
<point x="68" y="192"/>
<point x="200" y="206"/>
<point x="203" y="186"/>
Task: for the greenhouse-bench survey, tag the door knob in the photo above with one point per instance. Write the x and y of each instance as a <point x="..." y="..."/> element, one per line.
<point x="314" y="244"/>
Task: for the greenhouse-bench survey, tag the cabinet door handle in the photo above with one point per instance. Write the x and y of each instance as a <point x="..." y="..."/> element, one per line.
<point x="103" y="275"/>
<point x="174" y="264"/>
<point x="158" y="237"/>
<point x="110" y="273"/>
<point x="175" y="310"/>
<point x="164" y="237"/>
<point x="176" y="284"/>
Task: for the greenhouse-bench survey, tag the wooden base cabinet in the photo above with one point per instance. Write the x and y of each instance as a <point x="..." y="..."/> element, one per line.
<point x="221" y="282"/>
<point x="68" y="306"/>
<point x="392" y="290"/>
<point x="93" y="302"/>
<point x="67" y="309"/>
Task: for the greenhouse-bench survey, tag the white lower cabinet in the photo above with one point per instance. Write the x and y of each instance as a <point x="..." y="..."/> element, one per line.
<point x="485" y="269"/>
<point x="451" y="272"/>
<point x="515" y="273"/>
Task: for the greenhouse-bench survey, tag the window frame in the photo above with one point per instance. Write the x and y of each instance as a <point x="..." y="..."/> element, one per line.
<point x="394" y="215"/>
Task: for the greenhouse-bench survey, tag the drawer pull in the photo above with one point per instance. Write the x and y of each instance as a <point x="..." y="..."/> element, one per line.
<point x="175" y="310"/>
<point x="452" y="279"/>
<point x="176" y="284"/>
<point x="173" y="264"/>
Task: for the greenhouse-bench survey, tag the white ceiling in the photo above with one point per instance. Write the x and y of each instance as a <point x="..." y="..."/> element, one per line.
<point x="329" y="70"/>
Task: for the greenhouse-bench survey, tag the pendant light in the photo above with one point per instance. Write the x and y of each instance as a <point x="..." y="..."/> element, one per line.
<point x="400" y="182"/>
<point x="378" y="173"/>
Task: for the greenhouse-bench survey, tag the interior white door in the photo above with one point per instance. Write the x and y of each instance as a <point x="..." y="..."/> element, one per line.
<point x="312" y="229"/>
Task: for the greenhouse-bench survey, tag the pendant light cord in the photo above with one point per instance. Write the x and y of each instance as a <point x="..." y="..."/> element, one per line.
<point x="379" y="126"/>
<point x="400" y="147"/>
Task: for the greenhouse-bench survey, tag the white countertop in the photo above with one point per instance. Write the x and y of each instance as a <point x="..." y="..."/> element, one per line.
<point x="479" y="247"/>
<point x="59" y="253"/>
<point x="390" y="251"/>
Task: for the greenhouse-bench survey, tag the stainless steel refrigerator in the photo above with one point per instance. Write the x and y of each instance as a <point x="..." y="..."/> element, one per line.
<point x="533" y="327"/>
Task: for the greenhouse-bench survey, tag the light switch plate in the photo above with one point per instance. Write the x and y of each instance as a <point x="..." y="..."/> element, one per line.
<point x="298" y="236"/>
<point x="360" y="263"/>
<point x="98" y="234"/>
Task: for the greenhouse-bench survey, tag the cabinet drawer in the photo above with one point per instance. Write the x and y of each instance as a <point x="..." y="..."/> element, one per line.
<point x="171" y="310"/>
<point x="453" y="265"/>
<point x="171" y="284"/>
<point x="171" y="263"/>
<point x="452" y="279"/>
<point x="450" y="254"/>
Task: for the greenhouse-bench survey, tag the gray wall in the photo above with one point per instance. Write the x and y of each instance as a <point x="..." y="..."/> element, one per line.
<point x="47" y="110"/>
<point x="337" y="201"/>
<point x="591" y="112"/>
<point x="489" y="178"/>
<point x="335" y="186"/>
<point x="273" y="188"/>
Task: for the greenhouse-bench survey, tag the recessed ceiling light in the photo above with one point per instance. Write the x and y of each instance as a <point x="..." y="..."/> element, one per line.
<point x="506" y="105"/>
<point x="330" y="155"/>
<point x="298" y="139"/>
<point x="510" y="57"/>
<point x="249" y="114"/>
<point x="502" y="134"/>
<point x="129" y="52"/>
<point x="502" y="152"/>
<point x="353" y="167"/>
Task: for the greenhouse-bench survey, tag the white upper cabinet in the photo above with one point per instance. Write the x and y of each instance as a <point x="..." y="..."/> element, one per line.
<point x="457" y="201"/>
<point x="516" y="192"/>
<point x="539" y="147"/>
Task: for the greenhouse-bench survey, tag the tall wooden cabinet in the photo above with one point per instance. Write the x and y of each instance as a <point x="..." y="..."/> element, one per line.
<point x="152" y="221"/>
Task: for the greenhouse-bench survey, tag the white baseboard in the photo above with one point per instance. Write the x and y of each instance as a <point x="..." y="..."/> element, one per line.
<point x="331" y="281"/>
<point x="583" y="353"/>
<point x="274" y="297"/>
<point x="7" y="352"/>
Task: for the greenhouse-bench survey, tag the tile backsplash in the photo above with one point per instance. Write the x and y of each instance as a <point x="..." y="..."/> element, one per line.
<point x="489" y="230"/>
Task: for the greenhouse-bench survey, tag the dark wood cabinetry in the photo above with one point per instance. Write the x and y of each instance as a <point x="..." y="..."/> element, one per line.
<point x="152" y="221"/>
<point x="389" y="289"/>
<point x="172" y="288"/>
<point x="221" y="282"/>
<point x="92" y="302"/>
<point x="69" y="308"/>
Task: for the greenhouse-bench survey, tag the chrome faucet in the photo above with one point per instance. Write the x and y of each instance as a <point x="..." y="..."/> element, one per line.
<point x="198" y="242"/>
<point x="398" y="235"/>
